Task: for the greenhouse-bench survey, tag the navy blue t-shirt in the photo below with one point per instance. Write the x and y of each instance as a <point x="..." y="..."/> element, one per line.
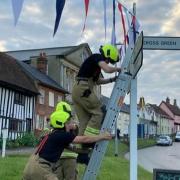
<point x="55" y="144"/>
<point x="90" y="67"/>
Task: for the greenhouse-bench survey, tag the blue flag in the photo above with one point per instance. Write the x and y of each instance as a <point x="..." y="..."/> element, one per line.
<point x="17" y="7"/>
<point x="105" y="17"/>
<point x="59" y="8"/>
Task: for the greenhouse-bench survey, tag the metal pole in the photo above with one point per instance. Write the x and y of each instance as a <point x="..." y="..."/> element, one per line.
<point x="4" y="137"/>
<point x="133" y="124"/>
<point x="133" y="130"/>
<point x="116" y="153"/>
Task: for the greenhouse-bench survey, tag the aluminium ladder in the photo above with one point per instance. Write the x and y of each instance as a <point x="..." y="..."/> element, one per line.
<point x="131" y="64"/>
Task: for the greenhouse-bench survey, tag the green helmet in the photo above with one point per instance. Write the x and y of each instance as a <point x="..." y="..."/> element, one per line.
<point x="110" y="52"/>
<point x="58" y="119"/>
<point x="63" y="106"/>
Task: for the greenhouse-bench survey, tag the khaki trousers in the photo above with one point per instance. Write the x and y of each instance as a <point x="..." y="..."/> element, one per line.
<point x="67" y="169"/>
<point x="87" y="106"/>
<point x="39" y="169"/>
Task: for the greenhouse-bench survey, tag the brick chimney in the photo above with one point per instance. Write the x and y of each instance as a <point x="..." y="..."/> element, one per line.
<point x="141" y="102"/>
<point x="167" y="100"/>
<point x="175" y="103"/>
<point x="42" y="63"/>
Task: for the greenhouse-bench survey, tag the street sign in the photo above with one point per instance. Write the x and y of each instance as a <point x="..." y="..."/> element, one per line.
<point x="137" y="47"/>
<point x="136" y="57"/>
<point x="161" y="174"/>
<point x="161" y="43"/>
<point x="135" y="67"/>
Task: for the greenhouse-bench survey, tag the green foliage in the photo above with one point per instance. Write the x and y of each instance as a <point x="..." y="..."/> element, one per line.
<point x="27" y="140"/>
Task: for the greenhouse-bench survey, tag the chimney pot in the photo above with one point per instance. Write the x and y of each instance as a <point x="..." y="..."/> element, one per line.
<point x="42" y="63"/>
<point x="167" y="100"/>
<point x="175" y="103"/>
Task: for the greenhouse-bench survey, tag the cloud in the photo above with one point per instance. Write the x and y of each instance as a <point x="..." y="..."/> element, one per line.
<point x="159" y="76"/>
<point x="170" y="25"/>
<point x="3" y="46"/>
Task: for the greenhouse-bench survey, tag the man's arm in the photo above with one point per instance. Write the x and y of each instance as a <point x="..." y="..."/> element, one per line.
<point x="92" y="139"/>
<point x="108" y="69"/>
<point x="106" y="81"/>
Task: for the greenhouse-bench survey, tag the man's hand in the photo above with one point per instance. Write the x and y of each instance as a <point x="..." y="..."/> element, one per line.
<point x="106" y="136"/>
<point x="113" y="79"/>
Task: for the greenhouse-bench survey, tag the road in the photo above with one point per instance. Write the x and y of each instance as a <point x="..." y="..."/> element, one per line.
<point x="162" y="157"/>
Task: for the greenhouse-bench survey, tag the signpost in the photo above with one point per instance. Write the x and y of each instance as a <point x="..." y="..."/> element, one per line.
<point x="161" y="43"/>
<point x="4" y="136"/>
<point x="163" y="174"/>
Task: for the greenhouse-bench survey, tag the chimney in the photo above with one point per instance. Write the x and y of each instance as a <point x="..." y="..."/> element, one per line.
<point x="141" y="102"/>
<point x="175" y="103"/>
<point x="42" y="63"/>
<point x="167" y="100"/>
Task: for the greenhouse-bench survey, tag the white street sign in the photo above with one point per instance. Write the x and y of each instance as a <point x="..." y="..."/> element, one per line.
<point x="161" y="43"/>
<point x="137" y="47"/>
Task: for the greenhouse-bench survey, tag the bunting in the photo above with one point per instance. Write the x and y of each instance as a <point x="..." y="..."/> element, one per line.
<point x="17" y="7"/>
<point x="86" y="11"/>
<point x="105" y="18"/>
<point x="123" y="22"/>
<point x="59" y="8"/>
<point x="113" y="35"/>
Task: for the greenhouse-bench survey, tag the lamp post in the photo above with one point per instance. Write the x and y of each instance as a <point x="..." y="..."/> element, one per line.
<point x="4" y="137"/>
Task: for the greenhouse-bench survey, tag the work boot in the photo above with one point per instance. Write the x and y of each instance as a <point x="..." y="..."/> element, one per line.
<point x="83" y="158"/>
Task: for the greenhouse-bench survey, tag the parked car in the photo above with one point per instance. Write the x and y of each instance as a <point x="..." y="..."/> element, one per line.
<point x="164" y="140"/>
<point x="177" y="137"/>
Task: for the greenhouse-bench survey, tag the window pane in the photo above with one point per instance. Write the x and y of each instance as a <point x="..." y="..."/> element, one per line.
<point x="51" y="99"/>
<point x="41" y="96"/>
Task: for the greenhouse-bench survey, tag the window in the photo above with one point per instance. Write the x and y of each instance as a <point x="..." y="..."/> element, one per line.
<point x="41" y="96"/>
<point x="19" y="99"/>
<point x="13" y="125"/>
<point x="60" y="98"/>
<point x="28" y="125"/>
<point x="40" y="122"/>
<point x="51" y="99"/>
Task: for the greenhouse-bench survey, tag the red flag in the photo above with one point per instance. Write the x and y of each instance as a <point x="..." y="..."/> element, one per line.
<point x="123" y="22"/>
<point x="86" y="10"/>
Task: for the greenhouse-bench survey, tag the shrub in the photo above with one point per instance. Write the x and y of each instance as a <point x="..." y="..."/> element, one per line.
<point x="28" y="140"/>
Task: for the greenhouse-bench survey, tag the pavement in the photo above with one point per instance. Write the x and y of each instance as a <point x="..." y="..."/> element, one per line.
<point x="24" y="150"/>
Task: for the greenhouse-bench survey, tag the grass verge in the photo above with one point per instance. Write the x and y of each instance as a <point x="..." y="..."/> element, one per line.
<point x="113" y="168"/>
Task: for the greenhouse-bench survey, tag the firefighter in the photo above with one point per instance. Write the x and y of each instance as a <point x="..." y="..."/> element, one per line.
<point x="88" y="107"/>
<point x="43" y="162"/>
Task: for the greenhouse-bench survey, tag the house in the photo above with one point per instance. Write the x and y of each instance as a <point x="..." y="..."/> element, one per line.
<point x="123" y="119"/>
<point x="164" y="123"/>
<point x="50" y="92"/>
<point x="62" y="63"/>
<point x="17" y="98"/>
<point x="152" y="120"/>
<point x="173" y="111"/>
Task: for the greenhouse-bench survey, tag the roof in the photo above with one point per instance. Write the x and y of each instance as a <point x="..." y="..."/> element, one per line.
<point x="125" y="108"/>
<point x="158" y="110"/>
<point x="41" y="77"/>
<point x="24" y="55"/>
<point x="174" y="109"/>
<point x="12" y="76"/>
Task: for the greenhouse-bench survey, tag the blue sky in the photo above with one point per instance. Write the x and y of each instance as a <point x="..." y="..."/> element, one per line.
<point x="160" y="74"/>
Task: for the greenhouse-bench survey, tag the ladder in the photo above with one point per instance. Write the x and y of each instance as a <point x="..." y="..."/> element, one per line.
<point x="131" y="65"/>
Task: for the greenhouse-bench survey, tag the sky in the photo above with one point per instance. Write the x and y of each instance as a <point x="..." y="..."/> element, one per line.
<point x="159" y="76"/>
